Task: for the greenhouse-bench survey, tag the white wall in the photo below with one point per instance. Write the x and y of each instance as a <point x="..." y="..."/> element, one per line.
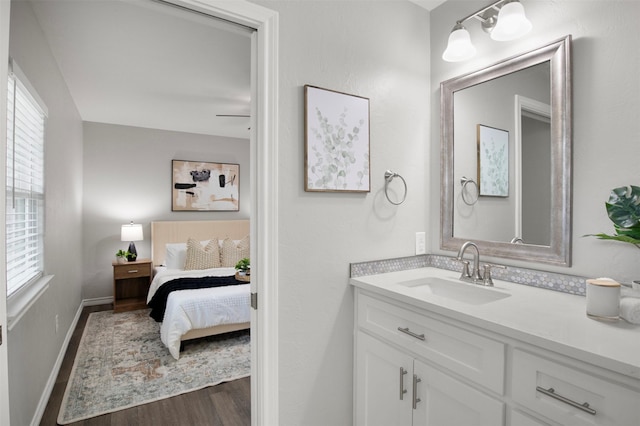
<point x="606" y="116"/>
<point x="127" y="176"/>
<point x="33" y="342"/>
<point x="378" y="50"/>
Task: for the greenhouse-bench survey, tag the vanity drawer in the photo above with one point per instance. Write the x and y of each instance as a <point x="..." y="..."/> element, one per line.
<point x="478" y="358"/>
<point x="609" y="403"/>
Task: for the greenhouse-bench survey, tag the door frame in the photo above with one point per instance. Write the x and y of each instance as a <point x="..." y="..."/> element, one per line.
<point x="264" y="199"/>
<point x="264" y="223"/>
<point x="522" y="104"/>
<point x="5" y="16"/>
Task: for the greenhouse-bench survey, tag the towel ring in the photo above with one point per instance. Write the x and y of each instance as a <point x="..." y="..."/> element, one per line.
<point x="388" y="177"/>
<point x="464" y="182"/>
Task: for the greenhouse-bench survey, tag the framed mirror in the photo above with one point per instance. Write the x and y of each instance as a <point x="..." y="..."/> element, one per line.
<point x="506" y="157"/>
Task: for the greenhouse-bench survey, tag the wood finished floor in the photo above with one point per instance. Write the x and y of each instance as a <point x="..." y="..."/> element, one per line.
<point x="224" y="404"/>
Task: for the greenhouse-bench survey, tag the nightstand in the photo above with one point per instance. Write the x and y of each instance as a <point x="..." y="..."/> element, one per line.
<point x="131" y="283"/>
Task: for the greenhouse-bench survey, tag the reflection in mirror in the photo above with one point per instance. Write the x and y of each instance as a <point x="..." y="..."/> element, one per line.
<point x="509" y="127"/>
<point x="502" y="218"/>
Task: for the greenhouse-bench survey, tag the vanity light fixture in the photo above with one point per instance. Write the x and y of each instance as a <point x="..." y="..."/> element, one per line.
<point x="504" y="20"/>
<point x="459" y="47"/>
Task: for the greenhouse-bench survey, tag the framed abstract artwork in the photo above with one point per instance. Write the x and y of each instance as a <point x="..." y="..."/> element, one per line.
<point x="202" y="186"/>
<point x="493" y="161"/>
<point x="336" y="141"/>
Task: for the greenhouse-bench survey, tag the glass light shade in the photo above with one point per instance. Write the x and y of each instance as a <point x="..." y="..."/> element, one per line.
<point x="131" y="232"/>
<point x="512" y="22"/>
<point x="459" y="47"/>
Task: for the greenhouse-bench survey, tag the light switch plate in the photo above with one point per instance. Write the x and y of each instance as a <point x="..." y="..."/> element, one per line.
<point x="421" y="244"/>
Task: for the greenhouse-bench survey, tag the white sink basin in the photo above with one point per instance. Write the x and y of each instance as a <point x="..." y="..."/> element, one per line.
<point x="472" y="294"/>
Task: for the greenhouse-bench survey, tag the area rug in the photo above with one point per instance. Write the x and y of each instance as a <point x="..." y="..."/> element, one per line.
<point x="121" y="363"/>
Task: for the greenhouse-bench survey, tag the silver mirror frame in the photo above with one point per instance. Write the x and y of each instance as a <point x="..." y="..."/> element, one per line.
<point x="559" y="250"/>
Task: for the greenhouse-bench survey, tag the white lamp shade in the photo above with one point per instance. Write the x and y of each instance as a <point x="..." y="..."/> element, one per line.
<point x="512" y="23"/>
<point x="131" y="232"/>
<point x="459" y="47"/>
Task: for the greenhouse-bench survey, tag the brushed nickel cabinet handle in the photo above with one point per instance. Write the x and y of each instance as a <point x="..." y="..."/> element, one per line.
<point x="552" y="393"/>
<point x="402" y="389"/>
<point x="416" y="380"/>
<point x="411" y="333"/>
<point x="133" y="271"/>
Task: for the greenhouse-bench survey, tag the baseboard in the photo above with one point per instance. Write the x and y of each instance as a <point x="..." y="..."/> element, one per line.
<point x="97" y="301"/>
<point x="46" y="393"/>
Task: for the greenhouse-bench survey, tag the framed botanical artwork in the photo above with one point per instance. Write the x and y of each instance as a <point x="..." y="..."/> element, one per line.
<point x="493" y="161"/>
<point x="336" y="141"/>
<point x="201" y="186"/>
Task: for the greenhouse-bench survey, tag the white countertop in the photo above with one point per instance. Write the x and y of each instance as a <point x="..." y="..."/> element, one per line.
<point x="552" y="320"/>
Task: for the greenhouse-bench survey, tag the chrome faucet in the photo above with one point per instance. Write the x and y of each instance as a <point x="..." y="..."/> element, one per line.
<point x="473" y="276"/>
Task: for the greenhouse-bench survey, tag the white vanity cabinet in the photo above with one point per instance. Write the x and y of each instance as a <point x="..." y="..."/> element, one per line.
<point x="416" y="367"/>
<point x="396" y="389"/>
<point x="401" y="374"/>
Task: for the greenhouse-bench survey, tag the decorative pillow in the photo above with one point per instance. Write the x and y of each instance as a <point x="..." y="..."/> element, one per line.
<point x="232" y="252"/>
<point x="176" y="254"/>
<point x="202" y="258"/>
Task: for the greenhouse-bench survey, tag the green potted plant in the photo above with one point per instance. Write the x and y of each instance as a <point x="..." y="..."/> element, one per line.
<point x="121" y="256"/>
<point x="623" y="208"/>
<point x="244" y="266"/>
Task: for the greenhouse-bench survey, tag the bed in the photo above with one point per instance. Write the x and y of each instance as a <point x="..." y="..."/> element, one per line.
<point x="195" y="313"/>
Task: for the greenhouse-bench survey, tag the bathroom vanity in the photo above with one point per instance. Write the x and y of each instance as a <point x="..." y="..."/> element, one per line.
<point x="432" y="350"/>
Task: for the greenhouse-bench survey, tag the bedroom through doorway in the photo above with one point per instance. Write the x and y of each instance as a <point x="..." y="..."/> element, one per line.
<point x="163" y="69"/>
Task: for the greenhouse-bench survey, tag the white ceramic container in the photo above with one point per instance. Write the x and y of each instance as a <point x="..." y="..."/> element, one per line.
<point x="603" y="299"/>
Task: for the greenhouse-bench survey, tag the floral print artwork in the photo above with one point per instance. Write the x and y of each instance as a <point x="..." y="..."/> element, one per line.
<point x="493" y="156"/>
<point x="337" y="141"/>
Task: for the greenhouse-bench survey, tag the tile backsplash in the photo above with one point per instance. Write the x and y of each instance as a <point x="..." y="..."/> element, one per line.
<point x="548" y="280"/>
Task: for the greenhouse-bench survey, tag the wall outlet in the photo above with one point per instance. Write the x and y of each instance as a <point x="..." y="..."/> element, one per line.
<point x="57" y="324"/>
<point x="421" y="243"/>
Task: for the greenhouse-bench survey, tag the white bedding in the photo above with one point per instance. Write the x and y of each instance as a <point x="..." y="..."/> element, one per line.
<point x="193" y="309"/>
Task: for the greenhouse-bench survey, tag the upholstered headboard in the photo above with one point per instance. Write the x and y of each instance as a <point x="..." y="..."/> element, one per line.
<point x="163" y="232"/>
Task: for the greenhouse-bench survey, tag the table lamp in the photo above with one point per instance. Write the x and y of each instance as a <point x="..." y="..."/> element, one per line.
<point x="131" y="232"/>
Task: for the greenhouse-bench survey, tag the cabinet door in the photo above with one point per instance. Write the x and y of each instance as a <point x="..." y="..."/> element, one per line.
<point x="379" y="383"/>
<point x="445" y="401"/>
<point x="520" y="419"/>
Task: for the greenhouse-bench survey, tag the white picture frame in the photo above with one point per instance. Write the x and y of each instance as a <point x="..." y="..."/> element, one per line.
<point x="493" y="161"/>
<point x="336" y="129"/>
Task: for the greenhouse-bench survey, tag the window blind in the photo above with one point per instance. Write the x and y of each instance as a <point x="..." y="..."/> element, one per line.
<point x="25" y="186"/>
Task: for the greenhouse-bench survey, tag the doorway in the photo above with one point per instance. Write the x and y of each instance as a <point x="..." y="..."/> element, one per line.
<point x="263" y="161"/>
<point x="533" y="171"/>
